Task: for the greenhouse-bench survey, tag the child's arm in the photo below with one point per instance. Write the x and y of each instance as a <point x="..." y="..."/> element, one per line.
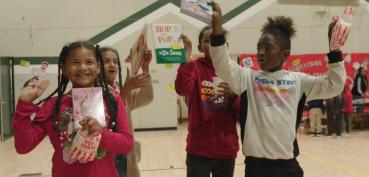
<point x="120" y="141"/>
<point x="333" y="83"/>
<point x="143" y="96"/>
<point x="27" y="134"/>
<point x="140" y="97"/>
<point x="225" y="68"/>
<point x="185" y="80"/>
<point x="328" y="86"/>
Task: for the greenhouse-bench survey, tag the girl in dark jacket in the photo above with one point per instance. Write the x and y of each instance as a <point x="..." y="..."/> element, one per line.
<point x="360" y="87"/>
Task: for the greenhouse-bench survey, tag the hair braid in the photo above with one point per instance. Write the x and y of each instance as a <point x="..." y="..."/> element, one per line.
<point x="62" y="85"/>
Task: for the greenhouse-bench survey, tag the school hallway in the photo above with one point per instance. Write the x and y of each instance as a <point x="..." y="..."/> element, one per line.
<point x="163" y="155"/>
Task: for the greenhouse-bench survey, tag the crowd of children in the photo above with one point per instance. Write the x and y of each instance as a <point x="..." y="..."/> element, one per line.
<point x="267" y="103"/>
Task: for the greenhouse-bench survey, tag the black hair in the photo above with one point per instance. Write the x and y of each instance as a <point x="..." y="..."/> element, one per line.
<point x="106" y="49"/>
<point x="100" y="81"/>
<point x="201" y="34"/>
<point x="361" y="68"/>
<point x="282" y="28"/>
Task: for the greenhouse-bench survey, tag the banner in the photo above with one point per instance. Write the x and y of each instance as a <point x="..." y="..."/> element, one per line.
<point x="313" y="64"/>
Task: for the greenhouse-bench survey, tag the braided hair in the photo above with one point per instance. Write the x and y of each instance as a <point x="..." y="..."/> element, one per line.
<point x="281" y="28"/>
<point x="106" y="49"/>
<point x="100" y="81"/>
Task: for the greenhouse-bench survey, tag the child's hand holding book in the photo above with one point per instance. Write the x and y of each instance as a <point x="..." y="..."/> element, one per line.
<point x="85" y="146"/>
<point x="339" y="29"/>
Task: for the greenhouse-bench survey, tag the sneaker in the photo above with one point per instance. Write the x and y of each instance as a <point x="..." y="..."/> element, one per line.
<point x="318" y="135"/>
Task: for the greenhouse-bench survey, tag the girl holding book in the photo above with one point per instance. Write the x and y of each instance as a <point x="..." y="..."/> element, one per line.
<point x="272" y="100"/>
<point x="80" y="63"/>
<point x="137" y="92"/>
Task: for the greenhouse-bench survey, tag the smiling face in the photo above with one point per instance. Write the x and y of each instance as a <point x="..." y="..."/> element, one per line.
<point x="81" y="67"/>
<point x="270" y="54"/>
<point x="110" y="60"/>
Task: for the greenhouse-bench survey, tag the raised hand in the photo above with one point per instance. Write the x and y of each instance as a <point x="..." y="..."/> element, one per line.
<point x="339" y="30"/>
<point x="224" y="88"/>
<point x="136" y="81"/>
<point x="216" y="18"/>
<point x="33" y="90"/>
<point x="146" y="61"/>
<point x="187" y="45"/>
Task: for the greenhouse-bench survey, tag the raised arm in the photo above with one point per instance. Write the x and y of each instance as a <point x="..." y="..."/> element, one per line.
<point x="138" y="90"/>
<point x="185" y="80"/>
<point x="28" y="134"/>
<point x="225" y="68"/>
<point x="328" y="86"/>
<point x="333" y="83"/>
<point x="142" y="96"/>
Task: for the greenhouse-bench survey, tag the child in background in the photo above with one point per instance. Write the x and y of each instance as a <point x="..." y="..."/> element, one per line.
<point x="335" y="108"/>
<point x="316" y="108"/>
<point x="79" y="62"/>
<point x="212" y="140"/>
<point x="360" y="87"/>
<point x="272" y="100"/>
<point x="136" y="92"/>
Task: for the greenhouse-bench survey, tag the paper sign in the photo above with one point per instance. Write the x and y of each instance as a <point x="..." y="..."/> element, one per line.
<point x="171" y="87"/>
<point x="24" y="63"/>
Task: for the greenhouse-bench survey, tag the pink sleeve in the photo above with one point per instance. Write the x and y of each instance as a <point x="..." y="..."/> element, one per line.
<point x="27" y="134"/>
<point x="120" y="141"/>
<point x="185" y="81"/>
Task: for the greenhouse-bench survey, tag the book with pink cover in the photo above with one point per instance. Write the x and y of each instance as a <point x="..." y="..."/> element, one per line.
<point x="199" y="9"/>
<point x="88" y="102"/>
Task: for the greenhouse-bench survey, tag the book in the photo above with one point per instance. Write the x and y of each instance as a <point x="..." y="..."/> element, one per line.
<point x="137" y="51"/>
<point x="199" y="9"/>
<point x="88" y="102"/>
<point x="168" y="47"/>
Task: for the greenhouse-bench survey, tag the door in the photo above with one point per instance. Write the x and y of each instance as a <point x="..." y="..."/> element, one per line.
<point x="6" y="98"/>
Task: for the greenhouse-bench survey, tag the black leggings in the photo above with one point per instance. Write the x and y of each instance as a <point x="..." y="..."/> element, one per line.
<point x="259" y="167"/>
<point x="199" y="166"/>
